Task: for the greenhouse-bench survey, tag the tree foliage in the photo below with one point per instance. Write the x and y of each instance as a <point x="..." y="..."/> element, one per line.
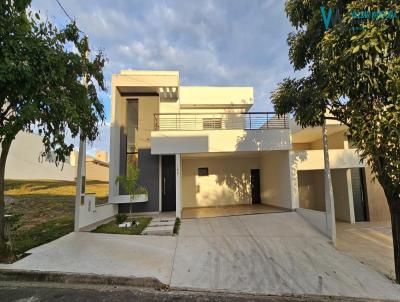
<point x="130" y="181"/>
<point x="354" y="72"/>
<point x="41" y="73"/>
<point x="47" y="83"/>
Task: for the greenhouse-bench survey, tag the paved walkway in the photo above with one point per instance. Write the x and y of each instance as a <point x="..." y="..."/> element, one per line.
<point x="104" y="254"/>
<point x="266" y="254"/>
<point x="369" y="242"/>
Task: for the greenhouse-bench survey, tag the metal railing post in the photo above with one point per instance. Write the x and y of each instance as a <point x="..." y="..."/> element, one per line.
<point x="250" y="120"/>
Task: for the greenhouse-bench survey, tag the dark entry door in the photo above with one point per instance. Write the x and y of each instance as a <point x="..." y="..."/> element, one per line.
<point x="359" y="195"/>
<point x="168" y="190"/>
<point x="255" y="185"/>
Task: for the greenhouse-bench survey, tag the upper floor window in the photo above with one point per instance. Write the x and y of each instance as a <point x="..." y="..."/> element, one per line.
<point x="212" y="123"/>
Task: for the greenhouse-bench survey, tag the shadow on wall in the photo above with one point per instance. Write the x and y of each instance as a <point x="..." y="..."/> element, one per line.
<point x="240" y="183"/>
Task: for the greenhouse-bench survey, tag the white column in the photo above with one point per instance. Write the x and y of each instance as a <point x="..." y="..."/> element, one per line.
<point x="294" y="183"/>
<point x="178" y="174"/>
<point x="329" y="201"/>
<point x="115" y="128"/>
<point x="350" y="196"/>
<point x="80" y="182"/>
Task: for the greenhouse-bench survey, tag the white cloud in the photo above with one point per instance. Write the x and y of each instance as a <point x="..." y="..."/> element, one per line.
<point x="210" y="42"/>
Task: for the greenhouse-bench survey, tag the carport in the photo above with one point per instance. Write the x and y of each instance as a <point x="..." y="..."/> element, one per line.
<point x="235" y="183"/>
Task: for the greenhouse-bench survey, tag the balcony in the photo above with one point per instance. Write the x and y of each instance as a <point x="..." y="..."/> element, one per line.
<point x="219" y="132"/>
<point x="219" y="121"/>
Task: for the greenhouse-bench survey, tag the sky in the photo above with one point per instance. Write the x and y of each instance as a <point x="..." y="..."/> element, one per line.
<point x="221" y="42"/>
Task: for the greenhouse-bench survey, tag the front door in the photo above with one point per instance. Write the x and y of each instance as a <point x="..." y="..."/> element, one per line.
<point x="359" y="195"/>
<point x="255" y="185"/>
<point x="168" y="186"/>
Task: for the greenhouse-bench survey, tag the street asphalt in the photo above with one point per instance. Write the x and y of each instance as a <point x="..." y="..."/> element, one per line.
<point x="35" y="292"/>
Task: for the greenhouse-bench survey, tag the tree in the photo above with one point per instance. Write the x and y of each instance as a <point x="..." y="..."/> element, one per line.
<point x="130" y="183"/>
<point x="354" y="73"/>
<point x="41" y="72"/>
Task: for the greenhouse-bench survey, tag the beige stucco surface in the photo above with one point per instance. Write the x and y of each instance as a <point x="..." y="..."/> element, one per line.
<point x="314" y="159"/>
<point x="228" y="181"/>
<point x="203" y="96"/>
<point x="377" y="204"/>
<point x="170" y="142"/>
<point x="275" y="179"/>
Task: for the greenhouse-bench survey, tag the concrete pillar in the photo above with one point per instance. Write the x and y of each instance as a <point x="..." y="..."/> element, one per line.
<point x="80" y="182"/>
<point x="115" y="127"/>
<point x="294" y="182"/>
<point x="350" y="196"/>
<point x="329" y="201"/>
<point x="178" y="177"/>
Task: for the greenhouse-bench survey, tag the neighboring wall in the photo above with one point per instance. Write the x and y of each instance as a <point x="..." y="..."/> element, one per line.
<point x="335" y="141"/>
<point x="96" y="171"/>
<point x="228" y="181"/>
<point x="377" y="203"/>
<point x="343" y="195"/>
<point x="276" y="179"/>
<point x="311" y="190"/>
<point x="24" y="161"/>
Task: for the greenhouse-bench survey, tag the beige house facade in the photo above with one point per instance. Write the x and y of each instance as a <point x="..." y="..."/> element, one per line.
<point x="202" y="147"/>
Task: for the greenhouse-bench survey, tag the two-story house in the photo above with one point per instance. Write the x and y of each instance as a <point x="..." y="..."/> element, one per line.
<point x="202" y="147"/>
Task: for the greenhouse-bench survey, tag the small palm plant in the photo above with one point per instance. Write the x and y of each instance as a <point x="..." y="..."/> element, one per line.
<point x="130" y="183"/>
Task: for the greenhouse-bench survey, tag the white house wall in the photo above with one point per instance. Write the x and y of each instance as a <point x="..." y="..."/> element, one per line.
<point x="228" y="181"/>
<point x="172" y="142"/>
<point x="314" y="159"/>
<point x="275" y="177"/>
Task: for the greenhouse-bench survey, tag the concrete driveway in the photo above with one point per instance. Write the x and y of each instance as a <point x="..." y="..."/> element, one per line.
<point x="277" y="253"/>
<point x="271" y="254"/>
<point x="370" y="243"/>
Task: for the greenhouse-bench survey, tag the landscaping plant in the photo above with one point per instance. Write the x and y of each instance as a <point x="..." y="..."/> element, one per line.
<point x="130" y="183"/>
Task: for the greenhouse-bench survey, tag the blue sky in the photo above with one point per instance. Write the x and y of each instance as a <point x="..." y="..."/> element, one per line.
<point x="221" y="42"/>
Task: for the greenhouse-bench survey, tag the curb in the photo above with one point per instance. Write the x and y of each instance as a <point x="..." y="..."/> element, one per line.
<point x="78" y="278"/>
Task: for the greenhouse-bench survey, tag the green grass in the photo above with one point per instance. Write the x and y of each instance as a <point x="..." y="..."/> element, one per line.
<point x="40" y="234"/>
<point x="43" y="210"/>
<point x="113" y="228"/>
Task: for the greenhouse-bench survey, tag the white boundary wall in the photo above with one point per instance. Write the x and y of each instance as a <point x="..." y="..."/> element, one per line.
<point x="317" y="219"/>
<point x="92" y="215"/>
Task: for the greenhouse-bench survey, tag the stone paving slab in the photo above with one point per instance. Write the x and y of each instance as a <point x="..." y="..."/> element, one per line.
<point x="161" y="223"/>
<point x="166" y="230"/>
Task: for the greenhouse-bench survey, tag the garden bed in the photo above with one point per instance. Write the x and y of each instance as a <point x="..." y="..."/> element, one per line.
<point x="113" y="227"/>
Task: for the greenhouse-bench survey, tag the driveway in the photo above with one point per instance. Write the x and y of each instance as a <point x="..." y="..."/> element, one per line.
<point x="103" y="254"/>
<point x="369" y="242"/>
<point x="277" y="253"/>
<point x="271" y="254"/>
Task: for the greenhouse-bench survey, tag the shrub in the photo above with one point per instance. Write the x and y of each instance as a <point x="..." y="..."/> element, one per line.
<point x="121" y="218"/>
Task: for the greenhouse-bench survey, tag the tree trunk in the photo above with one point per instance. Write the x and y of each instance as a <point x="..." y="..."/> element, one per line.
<point x="394" y="206"/>
<point x="4" y="251"/>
